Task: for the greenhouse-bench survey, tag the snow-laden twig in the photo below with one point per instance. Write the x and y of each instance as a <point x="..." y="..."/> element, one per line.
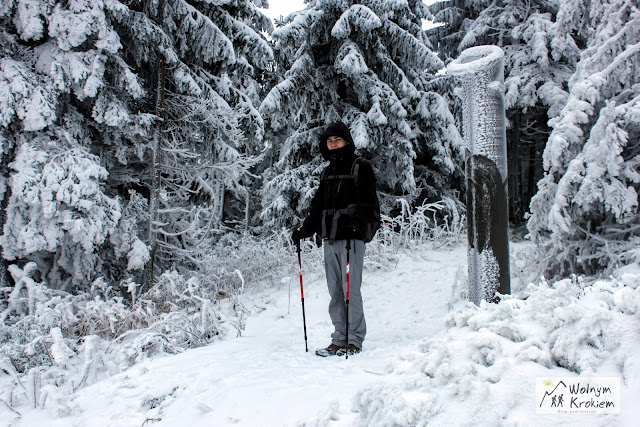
<point x="10" y="408"/>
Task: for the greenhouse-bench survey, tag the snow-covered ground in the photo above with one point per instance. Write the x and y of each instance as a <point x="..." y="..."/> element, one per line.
<point x="429" y="358"/>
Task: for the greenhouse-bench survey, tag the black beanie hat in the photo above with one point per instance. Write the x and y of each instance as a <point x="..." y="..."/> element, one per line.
<point x="335" y="129"/>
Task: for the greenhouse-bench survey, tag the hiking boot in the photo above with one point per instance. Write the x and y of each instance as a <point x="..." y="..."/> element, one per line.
<point x="332" y="350"/>
<point x="353" y="349"/>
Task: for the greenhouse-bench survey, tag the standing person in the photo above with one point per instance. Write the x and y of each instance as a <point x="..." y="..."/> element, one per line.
<point x="345" y="213"/>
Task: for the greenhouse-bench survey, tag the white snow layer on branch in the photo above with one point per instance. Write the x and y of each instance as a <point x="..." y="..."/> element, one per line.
<point x="350" y="60"/>
<point x="22" y="279"/>
<point x="297" y="29"/>
<point x="56" y="195"/>
<point x="405" y="45"/>
<point x="210" y="45"/>
<point x="138" y="255"/>
<point x="28" y="19"/>
<point x="60" y="352"/>
<point x="110" y="111"/>
<point x="274" y="98"/>
<point x="358" y="16"/>
<point x="359" y="128"/>
<point x="257" y="47"/>
<point x="24" y="96"/>
<point x="81" y="20"/>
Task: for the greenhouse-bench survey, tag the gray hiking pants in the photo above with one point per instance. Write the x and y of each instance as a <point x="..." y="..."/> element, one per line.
<point x="335" y="264"/>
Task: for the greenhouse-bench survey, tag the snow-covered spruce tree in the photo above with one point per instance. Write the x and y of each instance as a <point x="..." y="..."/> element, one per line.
<point x="369" y="64"/>
<point x="540" y="57"/>
<point x="82" y="77"/>
<point x="212" y="130"/>
<point x="62" y="82"/>
<point x="588" y="199"/>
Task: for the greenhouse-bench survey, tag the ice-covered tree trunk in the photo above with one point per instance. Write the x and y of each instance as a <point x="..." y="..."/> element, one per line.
<point x="154" y="189"/>
<point x="481" y="72"/>
<point x="3" y="219"/>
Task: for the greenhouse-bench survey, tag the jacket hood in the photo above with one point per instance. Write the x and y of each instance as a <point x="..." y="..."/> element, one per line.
<point x="341" y="130"/>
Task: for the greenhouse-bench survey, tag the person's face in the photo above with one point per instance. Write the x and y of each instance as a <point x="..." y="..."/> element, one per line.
<point x="334" y="142"/>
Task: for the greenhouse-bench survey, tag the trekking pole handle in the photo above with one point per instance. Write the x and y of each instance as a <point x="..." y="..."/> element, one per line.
<point x="300" y="270"/>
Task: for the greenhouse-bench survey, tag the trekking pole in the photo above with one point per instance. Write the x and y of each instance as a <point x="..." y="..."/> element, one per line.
<point x="347" y="301"/>
<point x="304" y="320"/>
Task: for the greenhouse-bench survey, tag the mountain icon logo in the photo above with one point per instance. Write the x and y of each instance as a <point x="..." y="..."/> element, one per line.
<point x="555" y="401"/>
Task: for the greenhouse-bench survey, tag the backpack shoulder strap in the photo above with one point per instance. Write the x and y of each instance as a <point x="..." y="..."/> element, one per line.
<point x="355" y="168"/>
<point x="323" y="173"/>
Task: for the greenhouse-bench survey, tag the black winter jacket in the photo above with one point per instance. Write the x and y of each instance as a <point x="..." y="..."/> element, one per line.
<point x="341" y="207"/>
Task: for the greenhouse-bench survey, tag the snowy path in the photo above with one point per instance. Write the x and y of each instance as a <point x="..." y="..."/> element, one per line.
<point x="265" y="377"/>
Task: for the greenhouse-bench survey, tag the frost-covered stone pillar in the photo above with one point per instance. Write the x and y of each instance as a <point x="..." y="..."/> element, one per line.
<point x="481" y="72"/>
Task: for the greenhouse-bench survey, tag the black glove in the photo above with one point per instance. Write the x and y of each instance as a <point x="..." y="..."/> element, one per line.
<point x="297" y="235"/>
